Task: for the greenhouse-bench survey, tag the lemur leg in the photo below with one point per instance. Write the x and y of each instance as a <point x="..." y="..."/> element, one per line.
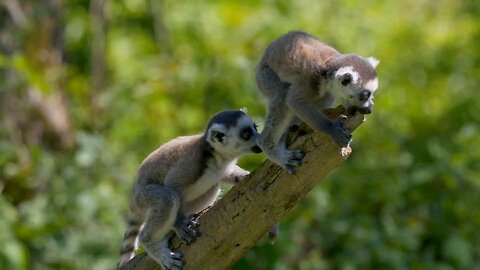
<point x="270" y="84"/>
<point x="185" y="228"/>
<point x="162" y="204"/>
<point x="170" y="260"/>
<point x="277" y="122"/>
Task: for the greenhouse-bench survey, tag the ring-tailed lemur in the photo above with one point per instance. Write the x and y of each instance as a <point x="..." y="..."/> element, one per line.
<point x="182" y="178"/>
<point x="299" y="76"/>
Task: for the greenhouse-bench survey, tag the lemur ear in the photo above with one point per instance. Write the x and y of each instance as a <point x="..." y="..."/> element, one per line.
<point x="373" y="61"/>
<point x="216" y="134"/>
<point x="244" y="110"/>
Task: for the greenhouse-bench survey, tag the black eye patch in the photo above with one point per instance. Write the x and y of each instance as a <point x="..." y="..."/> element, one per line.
<point x="364" y="95"/>
<point x="246" y="133"/>
<point x="346" y="81"/>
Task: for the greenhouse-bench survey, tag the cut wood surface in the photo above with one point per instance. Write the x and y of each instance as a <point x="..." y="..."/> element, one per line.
<point x="247" y="212"/>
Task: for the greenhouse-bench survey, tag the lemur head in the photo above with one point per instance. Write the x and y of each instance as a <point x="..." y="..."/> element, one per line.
<point x="355" y="81"/>
<point x="232" y="133"/>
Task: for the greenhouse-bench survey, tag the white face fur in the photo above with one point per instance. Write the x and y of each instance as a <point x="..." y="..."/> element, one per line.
<point x="352" y="92"/>
<point x="236" y="140"/>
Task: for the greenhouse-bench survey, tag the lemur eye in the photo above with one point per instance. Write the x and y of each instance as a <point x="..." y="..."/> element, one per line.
<point x="346" y="81"/>
<point x="246" y="133"/>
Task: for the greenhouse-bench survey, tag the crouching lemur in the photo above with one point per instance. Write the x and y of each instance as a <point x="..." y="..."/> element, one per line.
<point x="181" y="178"/>
<point x="300" y="76"/>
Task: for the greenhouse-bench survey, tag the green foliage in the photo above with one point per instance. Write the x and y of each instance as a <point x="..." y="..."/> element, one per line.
<point x="406" y="199"/>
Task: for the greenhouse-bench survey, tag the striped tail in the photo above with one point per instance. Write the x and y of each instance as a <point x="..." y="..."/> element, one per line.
<point x="130" y="239"/>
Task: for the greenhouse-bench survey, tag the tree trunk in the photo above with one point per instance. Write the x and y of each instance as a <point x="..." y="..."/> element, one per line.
<point x="235" y="223"/>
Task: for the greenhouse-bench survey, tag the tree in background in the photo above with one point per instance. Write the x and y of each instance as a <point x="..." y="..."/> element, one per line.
<point x="87" y="89"/>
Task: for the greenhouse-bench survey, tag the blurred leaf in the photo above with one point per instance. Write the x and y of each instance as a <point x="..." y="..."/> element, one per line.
<point x="404" y="200"/>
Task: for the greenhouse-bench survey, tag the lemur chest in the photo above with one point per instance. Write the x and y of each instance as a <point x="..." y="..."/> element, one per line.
<point x="209" y="178"/>
<point x="322" y="95"/>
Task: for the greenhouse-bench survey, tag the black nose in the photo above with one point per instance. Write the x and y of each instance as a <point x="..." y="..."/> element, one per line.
<point x="256" y="149"/>
<point x="364" y="95"/>
<point x="365" y="110"/>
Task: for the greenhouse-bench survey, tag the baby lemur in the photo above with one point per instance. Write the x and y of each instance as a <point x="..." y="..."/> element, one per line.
<point x="182" y="178"/>
<point x="299" y="76"/>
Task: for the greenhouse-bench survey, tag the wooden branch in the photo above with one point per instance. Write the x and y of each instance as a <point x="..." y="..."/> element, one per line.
<point x="235" y="223"/>
<point x="16" y="13"/>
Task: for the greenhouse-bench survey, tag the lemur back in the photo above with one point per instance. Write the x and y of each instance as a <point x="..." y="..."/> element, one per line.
<point x="179" y="151"/>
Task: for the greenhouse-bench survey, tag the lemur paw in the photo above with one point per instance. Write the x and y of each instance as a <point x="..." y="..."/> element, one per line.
<point x="172" y="261"/>
<point x="193" y="223"/>
<point x="194" y="217"/>
<point x="292" y="160"/>
<point x="187" y="230"/>
<point x="339" y="133"/>
<point x="342" y="119"/>
<point x="240" y="177"/>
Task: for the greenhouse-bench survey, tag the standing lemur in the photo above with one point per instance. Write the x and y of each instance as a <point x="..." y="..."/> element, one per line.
<point x="182" y="178"/>
<point x="299" y="76"/>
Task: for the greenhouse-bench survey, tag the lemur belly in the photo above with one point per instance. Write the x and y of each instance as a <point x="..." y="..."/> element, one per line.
<point x="209" y="178"/>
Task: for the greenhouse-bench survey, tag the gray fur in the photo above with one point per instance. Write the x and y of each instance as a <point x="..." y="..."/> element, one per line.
<point x="300" y="76"/>
<point x="228" y="118"/>
<point x="181" y="178"/>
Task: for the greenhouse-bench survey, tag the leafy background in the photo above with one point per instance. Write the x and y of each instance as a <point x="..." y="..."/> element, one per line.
<point x="88" y="89"/>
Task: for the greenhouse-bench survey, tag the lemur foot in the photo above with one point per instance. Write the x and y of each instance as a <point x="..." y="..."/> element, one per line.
<point x="187" y="230"/>
<point x="292" y="159"/>
<point x="172" y="261"/>
<point x="194" y="217"/>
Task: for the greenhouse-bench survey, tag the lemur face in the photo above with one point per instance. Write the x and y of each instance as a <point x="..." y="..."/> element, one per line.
<point x="233" y="134"/>
<point x="355" y="83"/>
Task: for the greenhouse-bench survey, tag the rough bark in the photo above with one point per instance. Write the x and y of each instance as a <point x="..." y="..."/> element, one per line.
<point x="246" y="213"/>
